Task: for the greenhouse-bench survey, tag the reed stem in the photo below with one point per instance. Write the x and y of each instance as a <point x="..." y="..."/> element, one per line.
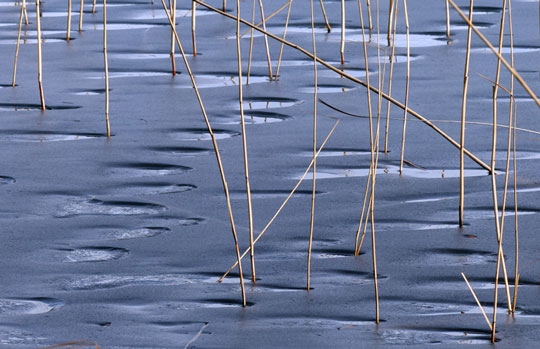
<point x="18" y="45"/>
<point x="68" y="35"/>
<point x="193" y="27"/>
<point x="390" y="79"/>
<point x="81" y="15"/>
<point x="477" y="301"/>
<point x="40" y="72"/>
<point x="265" y="40"/>
<point x="342" y="46"/>
<point x="106" y="63"/>
<point x="282" y="44"/>
<point x="447" y="6"/>
<point x="407" y="80"/>
<point x="328" y="28"/>
<point x="463" y="118"/>
<point x="216" y="149"/>
<point x="250" y="44"/>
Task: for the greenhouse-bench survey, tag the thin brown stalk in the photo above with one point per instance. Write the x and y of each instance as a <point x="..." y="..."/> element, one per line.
<point x="25" y="12"/>
<point x="356" y="80"/>
<point x="244" y="143"/>
<point x="193" y="27"/>
<point x="407" y="80"/>
<point x="325" y="17"/>
<point x="390" y="16"/>
<point x="106" y="61"/>
<point x="283" y="203"/>
<point x="390" y="79"/>
<point x="216" y="150"/>
<point x="342" y="46"/>
<point x="282" y="44"/>
<point x="18" y="45"/>
<point x="313" y="187"/>
<point x="250" y="44"/>
<point x="368" y="4"/>
<point x="447" y="6"/>
<point x="366" y="62"/>
<point x="172" y="6"/>
<point x="68" y="35"/>
<point x="266" y="40"/>
<point x="94" y="6"/>
<point x="463" y="117"/>
<point x="81" y="15"/>
<point x="40" y="72"/>
<point x="477" y="301"/>
<point x="499" y="56"/>
<point x="224" y="7"/>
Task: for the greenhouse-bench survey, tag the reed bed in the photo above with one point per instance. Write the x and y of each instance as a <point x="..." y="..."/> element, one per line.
<point x="367" y="210"/>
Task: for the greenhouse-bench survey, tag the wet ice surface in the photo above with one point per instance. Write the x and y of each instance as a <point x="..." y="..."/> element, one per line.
<point x="122" y="240"/>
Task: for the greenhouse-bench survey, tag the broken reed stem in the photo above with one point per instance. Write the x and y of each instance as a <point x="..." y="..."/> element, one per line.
<point x="407" y="80"/>
<point x="25" y="12"/>
<point x="283" y="203"/>
<point x="368" y="4"/>
<point x="499" y="56"/>
<point x="463" y="117"/>
<point x="250" y="44"/>
<point x="342" y="46"/>
<point x="18" y="45"/>
<point x="193" y="27"/>
<point x="390" y="79"/>
<point x="106" y="63"/>
<point x="313" y="184"/>
<point x="390" y="15"/>
<point x="40" y="72"/>
<point x="68" y="34"/>
<point x="94" y="7"/>
<point x="216" y="150"/>
<point x="81" y="15"/>
<point x="328" y="28"/>
<point x="266" y="40"/>
<point x="356" y="80"/>
<point x="447" y="6"/>
<point x="477" y="301"/>
<point x="282" y="44"/>
<point x="244" y="143"/>
<point x="357" y="244"/>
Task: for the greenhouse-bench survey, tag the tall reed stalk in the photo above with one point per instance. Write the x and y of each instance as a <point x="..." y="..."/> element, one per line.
<point x="40" y="72"/>
<point x="68" y="34"/>
<point x="390" y="16"/>
<point x="342" y="46"/>
<point x="23" y="6"/>
<point x="266" y="40"/>
<point x="447" y="7"/>
<point x="250" y="43"/>
<point x="313" y="186"/>
<point x="106" y="64"/>
<point x="172" y="6"/>
<point x="284" y="36"/>
<point x="328" y="28"/>
<point x="407" y="81"/>
<point x="81" y="15"/>
<point x="193" y="27"/>
<point x="244" y="143"/>
<point x="216" y="150"/>
<point x="390" y="78"/>
<point x="463" y="117"/>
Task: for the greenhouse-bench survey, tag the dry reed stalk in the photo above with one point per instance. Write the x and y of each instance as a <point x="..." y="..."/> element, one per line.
<point x="266" y="40"/>
<point x="282" y="44"/>
<point x="447" y="6"/>
<point x="283" y="203"/>
<point x="356" y="80"/>
<point x="407" y="80"/>
<point x="390" y="15"/>
<point x="25" y="13"/>
<point x="224" y="7"/>
<point x="342" y="46"/>
<point x="40" y="72"/>
<point x="477" y="301"/>
<point x="250" y="44"/>
<point x="94" y="7"/>
<point x="81" y="15"/>
<point x="216" y="150"/>
<point x="68" y="35"/>
<point x="193" y="27"/>
<point x="463" y="117"/>
<point x="75" y="344"/>
<point x="499" y="56"/>
<point x="370" y="115"/>
<point x="244" y="143"/>
<point x="267" y="18"/>
<point x="106" y="63"/>
<point x="498" y="225"/>
<point x="368" y="4"/>
<point x="18" y="45"/>
<point x="328" y="28"/>
<point x="313" y="186"/>
<point x="172" y="6"/>
<point x="390" y="78"/>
